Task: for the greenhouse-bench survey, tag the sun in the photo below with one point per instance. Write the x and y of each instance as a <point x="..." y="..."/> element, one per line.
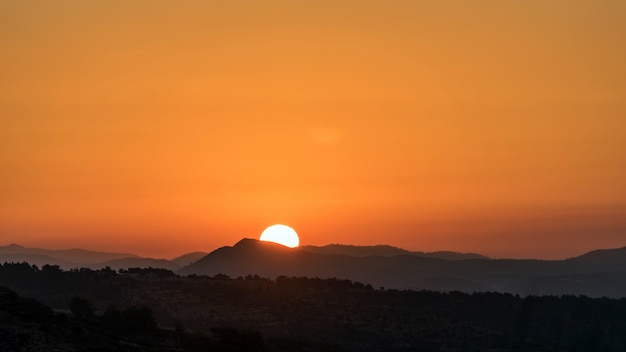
<point x="281" y="234"/>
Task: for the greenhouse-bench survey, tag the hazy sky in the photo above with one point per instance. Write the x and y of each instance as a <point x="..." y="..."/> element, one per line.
<point x="163" y="127"/>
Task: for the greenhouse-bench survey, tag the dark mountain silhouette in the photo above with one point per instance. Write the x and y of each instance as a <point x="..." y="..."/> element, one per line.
<point x="242" y="258"/>
<point x="188" y="258"/>
<point x="385" y="251"/>
<point x="572" y="276"/>
<point x="77" y="256"/>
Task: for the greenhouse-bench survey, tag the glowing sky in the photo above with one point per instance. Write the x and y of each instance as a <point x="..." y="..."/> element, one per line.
<point x="164" y="127"/>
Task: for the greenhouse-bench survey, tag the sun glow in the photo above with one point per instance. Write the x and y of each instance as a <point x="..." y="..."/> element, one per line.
<point x="281" y="234"/>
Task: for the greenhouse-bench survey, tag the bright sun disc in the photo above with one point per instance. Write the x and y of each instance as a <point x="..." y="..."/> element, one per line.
<point x="281" y="234"/>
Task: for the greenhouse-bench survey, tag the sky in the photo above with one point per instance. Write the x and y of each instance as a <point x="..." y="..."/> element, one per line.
<point x="165" y="127"/>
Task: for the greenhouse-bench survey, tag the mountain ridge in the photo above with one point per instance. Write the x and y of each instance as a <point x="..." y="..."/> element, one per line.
<point x="596" y="273"/>
<point x="73" y="255"/>
<point x="384" y="250"/>
<point x="188" y="258"/>
<point x="410" y="271"/>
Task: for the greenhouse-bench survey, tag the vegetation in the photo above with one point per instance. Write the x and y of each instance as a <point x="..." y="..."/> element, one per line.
<point x="156" y="310"/>
<point x="27" y="325"/>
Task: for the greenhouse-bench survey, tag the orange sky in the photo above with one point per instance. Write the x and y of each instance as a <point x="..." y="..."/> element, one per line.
<point x="163" y="127"/>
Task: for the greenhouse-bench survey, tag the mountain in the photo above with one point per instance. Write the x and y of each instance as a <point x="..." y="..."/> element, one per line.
<point x="79" y="256"/>
<point x="268" y="259"/>
<point x="385" y="251"/>
<point x="241" y="259"/>
<point x="586" y="274"/>
<point x="188" y="258"/>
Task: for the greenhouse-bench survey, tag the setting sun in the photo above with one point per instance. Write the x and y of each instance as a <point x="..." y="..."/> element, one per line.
<point x="428" y="125"/>
<point x="281" y="234"/>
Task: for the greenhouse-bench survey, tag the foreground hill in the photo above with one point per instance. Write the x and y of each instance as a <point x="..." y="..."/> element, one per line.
<point x="287" y="314"/>
<point x="592" y="276"/>
<point x="28" y="325"/>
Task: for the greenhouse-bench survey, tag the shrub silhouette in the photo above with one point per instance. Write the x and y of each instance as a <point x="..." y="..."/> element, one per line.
<point x="130" y="321"/>
<point x="82" y="309"/>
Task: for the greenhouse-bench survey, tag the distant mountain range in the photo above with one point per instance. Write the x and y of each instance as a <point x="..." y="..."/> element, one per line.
<point x="80" y="258"/>
<point x="385" y="251"/>
<point x="188" y="258"/>
<point x="597" y="273"/>
<point x="67" y="255"/>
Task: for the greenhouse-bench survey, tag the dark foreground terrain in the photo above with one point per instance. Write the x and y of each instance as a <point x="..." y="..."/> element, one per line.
<point x="27" y="325"/>
<point x="49" y="309"/>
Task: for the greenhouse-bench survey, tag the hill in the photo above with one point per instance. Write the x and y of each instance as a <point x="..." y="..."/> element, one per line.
<point x="28" y="325"/>
<point x="120" y="312"/>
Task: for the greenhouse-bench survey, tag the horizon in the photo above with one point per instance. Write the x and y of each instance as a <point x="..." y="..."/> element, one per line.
<point x="493" y="127"/>
<point x="208" y="251"/>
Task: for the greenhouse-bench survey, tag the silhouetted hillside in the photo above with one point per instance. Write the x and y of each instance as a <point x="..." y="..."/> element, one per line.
<point x="417" y="272"/>
<point x="124" y="312"/>
<point x="597" y="273"/>
<point x="250" y="256"/>
<point x="385" y="251"/>
<point x="28" y="325"/>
